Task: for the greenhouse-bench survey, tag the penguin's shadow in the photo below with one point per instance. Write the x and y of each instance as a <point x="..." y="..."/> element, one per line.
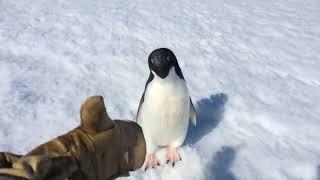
<point x="318" y="172"/>
<point x="209" y="114"/>
<point x="219" y="168"/>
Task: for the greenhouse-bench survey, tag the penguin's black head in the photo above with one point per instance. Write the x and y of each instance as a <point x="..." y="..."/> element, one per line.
<point x="161" y="61"/>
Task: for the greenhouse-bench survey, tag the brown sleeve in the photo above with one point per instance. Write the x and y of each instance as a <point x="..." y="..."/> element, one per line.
<point x="58" y="146"/>
<point x="7" y="159"/>
<point x="42" y="167"/>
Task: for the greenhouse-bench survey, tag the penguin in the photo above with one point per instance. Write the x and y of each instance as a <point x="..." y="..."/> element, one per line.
<point x="165" y="108"/>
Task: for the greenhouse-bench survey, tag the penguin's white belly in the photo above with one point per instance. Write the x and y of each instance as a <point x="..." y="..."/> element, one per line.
<point x="164" y="114"/>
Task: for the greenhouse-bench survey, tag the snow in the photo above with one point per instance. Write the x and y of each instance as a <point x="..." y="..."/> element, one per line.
<point x="252" y="69"/>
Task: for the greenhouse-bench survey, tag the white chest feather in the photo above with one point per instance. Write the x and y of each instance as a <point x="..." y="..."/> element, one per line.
<point x="164" y="113"/>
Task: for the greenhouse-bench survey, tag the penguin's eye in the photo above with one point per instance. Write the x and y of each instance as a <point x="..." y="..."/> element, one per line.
<point x="152" y="60"/>
<point x="168" y="58"/>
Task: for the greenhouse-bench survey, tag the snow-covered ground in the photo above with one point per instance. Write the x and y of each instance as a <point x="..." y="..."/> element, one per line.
<point x="253" y="70"/>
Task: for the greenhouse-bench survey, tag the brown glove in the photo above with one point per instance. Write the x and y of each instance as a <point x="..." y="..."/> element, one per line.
<point x="98" y="149"/>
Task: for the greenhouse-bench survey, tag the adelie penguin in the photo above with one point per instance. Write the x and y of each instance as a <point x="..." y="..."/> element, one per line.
<point x="165" y="108"/>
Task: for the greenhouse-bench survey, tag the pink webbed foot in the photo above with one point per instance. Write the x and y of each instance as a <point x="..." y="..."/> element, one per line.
<point x="151" y="162"/>
<point x="173" y="156"/>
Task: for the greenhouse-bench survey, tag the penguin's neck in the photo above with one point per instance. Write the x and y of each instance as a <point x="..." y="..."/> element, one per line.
<point x="172" y="77"/>
<point x="172" y="87"/>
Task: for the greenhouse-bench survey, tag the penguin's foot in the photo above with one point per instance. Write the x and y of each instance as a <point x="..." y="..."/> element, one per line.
<point x="173" y="156"/>
<point x="151" y="162"/>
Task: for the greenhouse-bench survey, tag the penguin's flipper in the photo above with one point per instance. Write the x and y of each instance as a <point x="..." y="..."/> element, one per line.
<point x="139" y="108"/>
<point x="193" y="114"/>
<point x="151" y="77"/>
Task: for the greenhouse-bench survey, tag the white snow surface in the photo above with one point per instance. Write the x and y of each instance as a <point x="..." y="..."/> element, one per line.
<point x="252" y="67"/>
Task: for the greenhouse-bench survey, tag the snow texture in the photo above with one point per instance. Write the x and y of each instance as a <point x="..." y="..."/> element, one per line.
<point x="252" y="67"/>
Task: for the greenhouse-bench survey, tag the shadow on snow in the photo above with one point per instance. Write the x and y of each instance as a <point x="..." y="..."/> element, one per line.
<point x="210" y="113"/>
<point x="219" y="167"/>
